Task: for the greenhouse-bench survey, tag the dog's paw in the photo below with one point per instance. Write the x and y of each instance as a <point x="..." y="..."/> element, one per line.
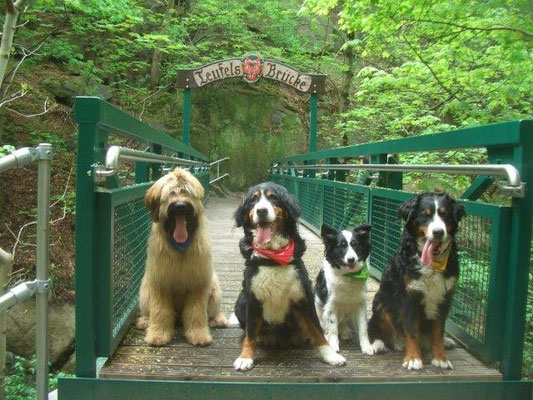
<point x="142" y="323"/>
<point x="243" y="364"/>
<point x="413" y="364"/>
<point x="367" y="348"/>
<point x="379" y="347"/>
<point x="157" y="338"/>
<point x="330" y="356"/>
<point x="444" y="364"/>
<point x="218" y="321"/>
<point x="199" y="337"/>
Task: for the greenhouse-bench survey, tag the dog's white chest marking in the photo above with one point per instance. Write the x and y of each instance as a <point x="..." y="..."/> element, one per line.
<point x="434" y="287"/>
<point x="276" y="288"/>
<point x="344" y="293"/>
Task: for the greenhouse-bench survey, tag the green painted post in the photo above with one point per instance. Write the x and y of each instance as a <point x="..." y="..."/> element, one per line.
<point x="186" y="133"/>
<point x="313" y="123"/>
<point x="87" y="113"/>
<point x="518" y="270"/>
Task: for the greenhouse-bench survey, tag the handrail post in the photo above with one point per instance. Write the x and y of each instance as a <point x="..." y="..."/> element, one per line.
<point x="185" y="137"/>
<point x="43" y="266"/>
<point x="87" y="113"/>
<point x="520" y="239"/>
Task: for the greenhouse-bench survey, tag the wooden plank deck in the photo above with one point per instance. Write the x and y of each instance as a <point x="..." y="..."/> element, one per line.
<point x="181" y="361"/>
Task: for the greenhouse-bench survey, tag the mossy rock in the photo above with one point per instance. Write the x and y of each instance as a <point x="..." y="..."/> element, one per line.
<point x="64" y="89"/>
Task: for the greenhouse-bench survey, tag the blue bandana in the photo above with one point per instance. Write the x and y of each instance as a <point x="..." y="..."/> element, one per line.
<point x="179" y="246"/>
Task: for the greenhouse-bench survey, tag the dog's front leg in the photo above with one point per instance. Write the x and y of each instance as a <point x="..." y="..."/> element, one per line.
<point x="411" y="332"/>
<point x="362" y="328"/>
<point x="309" y="320"/>
<point x="162" y="316"/>
<point x="437" y="346"/>
<point x="331" y="326"/>
<point x="254" y="323"/>
<point x="195" y="317"/>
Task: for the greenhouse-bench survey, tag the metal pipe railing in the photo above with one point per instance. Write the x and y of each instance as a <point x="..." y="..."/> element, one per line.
<point x="217" y="163"/>
<point x="41" y="285"/>
<point x="508" y="171"/>
<point x="116" y="153"/>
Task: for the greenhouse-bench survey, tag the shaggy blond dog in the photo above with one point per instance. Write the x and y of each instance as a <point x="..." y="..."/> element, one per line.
<point x="179" y="278"/>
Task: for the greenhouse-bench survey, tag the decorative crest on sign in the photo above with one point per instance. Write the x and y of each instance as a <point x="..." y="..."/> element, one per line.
<point x="252" y="67"/>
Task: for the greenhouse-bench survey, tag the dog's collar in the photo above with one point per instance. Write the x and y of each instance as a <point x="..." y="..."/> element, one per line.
<point x="179" y="246"/>
<point x="280" y="256"/>
<point x="362" y="274"/>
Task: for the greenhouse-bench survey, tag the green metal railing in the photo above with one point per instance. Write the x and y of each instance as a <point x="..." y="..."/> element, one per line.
<point x="489" y="306"/>
<point x="112" y="226"/>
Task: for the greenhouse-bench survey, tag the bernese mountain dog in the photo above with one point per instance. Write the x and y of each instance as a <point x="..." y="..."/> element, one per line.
<point x="340" y="288"/>
<point x="275" y="305"/>
<point x="416" y="290"/>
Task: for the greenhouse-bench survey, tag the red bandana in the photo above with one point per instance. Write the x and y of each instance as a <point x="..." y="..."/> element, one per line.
<point x="281" y="256"/>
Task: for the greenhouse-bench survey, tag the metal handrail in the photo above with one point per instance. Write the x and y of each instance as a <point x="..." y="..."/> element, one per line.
<point x="217" y="163"/>
<point x="513" y="185"/>
<point x="116" y="153"/>
<point x="41" y="285"/>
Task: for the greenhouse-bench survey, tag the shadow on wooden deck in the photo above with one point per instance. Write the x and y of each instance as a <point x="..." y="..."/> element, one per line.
<point x="181" y="361"/>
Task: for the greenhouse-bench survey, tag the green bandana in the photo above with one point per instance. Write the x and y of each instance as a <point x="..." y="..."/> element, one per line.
<point x="362" y="274"/>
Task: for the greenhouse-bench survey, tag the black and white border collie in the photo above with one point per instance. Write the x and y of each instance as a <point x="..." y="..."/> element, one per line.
<point x="275" y="305"/>
<point x="340" y="289"/>
<point x="416" y="290"/>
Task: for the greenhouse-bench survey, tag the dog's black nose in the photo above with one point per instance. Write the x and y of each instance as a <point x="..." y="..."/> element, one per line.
<point x="351" y="260"/>
<point x="438" y="233"/>
<point x="262" y="212"/>
<point x="179" y="206"/>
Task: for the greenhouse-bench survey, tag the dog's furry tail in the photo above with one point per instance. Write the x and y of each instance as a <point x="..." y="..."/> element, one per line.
<point x="233" y="321"/>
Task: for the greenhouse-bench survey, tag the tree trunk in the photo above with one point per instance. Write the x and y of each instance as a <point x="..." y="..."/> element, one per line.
<point x="10" y="24"/>
<point x="157" y="57"/>
<point x="6" y="262"/>
<point x="346" y="85"/>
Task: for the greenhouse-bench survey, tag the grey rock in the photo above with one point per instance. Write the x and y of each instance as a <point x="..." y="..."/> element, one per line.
<point x="21" y="329"/>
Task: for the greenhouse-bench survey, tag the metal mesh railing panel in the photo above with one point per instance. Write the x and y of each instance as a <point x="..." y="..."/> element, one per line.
<point x="469" y="309"/>
<point x="310" y="199"/>
<point x="344" y="207"/>
<point x="386" y="230"/>
<point x="131" y="226"/>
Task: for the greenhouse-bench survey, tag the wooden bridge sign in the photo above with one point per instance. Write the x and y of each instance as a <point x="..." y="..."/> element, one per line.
<point x="251" y="68"/>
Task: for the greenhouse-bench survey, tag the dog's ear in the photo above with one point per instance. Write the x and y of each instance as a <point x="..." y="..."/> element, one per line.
<point x="290" y="204"/>
<point x="363" y="229"/>
<point x="152" y="199"/>
<point x="407" y="209"/>
<point x="328" y="234"/>
<point x="458" y="209"/>
<point x="241" y="212"/>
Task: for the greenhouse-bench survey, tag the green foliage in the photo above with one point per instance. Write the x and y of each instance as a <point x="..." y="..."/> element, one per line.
<point x="6" y="149"/>
<point x="431" y="66"/>
<point x="57" y="142"/>
<point x="21" y="384"/>
<point x="528" y="343"/>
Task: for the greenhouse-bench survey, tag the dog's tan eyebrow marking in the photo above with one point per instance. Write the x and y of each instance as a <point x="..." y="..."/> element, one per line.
<point x="442" y="210"/>
<point x="428" y="211"/>
<point x="269" y="193"/>
<point x="255" y="194"/>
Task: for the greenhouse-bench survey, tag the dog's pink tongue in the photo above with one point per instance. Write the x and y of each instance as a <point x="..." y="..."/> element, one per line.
<point x="427" y="253"/>
<point x="180" y="234"/>
<point x="263" y="235"/>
